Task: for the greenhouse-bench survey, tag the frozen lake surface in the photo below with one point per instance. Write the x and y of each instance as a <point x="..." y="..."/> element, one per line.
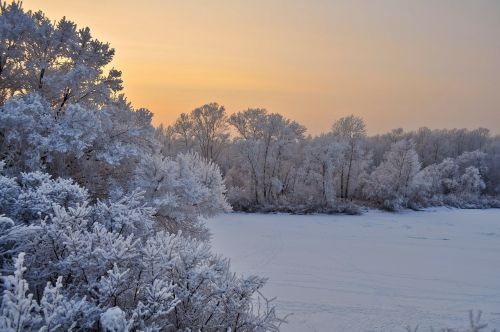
<point x="375" y="272"/>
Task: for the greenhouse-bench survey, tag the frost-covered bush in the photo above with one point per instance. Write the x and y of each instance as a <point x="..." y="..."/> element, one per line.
<point x="31" y="196"/>
<point x="182" y="189"/>
<point x="39" y="193"/>
<point x="114" y="265"/>
<point x="55" y="311"/>
<point x="398" y="181"/>
<point x="453" y="182"/>
<point x="9" y="192"/>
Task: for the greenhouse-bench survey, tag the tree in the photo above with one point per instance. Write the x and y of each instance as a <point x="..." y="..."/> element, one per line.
<point x="324" y="157"/>
<point x="209" y="125"/>
<point x="98" y="149"/>
<point x="184" y="128"/>
<point x="59" y="111"/>
<point x="182" y="189"/>
<point x="471" y="182"/>
<point x="265" y="150"/>
<point x="352" y="131"/>
<point x="62" y="63"/>
<point x="391" y="183"/>
<point x="204" y="130"/>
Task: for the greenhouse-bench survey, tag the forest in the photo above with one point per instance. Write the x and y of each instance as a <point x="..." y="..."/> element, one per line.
<point x="102" y="214"/>
<point x="269" y="163"/>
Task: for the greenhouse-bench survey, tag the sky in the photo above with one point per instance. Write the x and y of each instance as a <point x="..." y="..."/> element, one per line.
<point x="396" y="63"/>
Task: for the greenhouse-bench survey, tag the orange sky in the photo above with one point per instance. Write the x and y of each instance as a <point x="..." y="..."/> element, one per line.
<point x="396" y="63"/>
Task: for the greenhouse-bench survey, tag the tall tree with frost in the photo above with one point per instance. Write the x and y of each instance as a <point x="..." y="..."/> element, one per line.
<point x="60" y="62"/>
<point x="265" y="150"/>
<point x="183" y="127"/>
<point x="352" y="131"/>
<point x="204" y="130"/>
<point x="210" y="129"/>
<point x="324" y="156"/>
<point x="392" y="181"/>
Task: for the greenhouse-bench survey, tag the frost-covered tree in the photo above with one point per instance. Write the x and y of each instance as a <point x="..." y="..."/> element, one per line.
<point x="59" y="111"/>
<point x="392" y="182"/>
<point x="97" y="148"/>
<point x="265" y="149"/>
<point x="352" y="131"/>
<point x="453" y="182"/>
<point x="302" y="180"/>
<point x="324" y="159"/>
<point x="183" y="128"/>
<point x="471" y="182"/>
<point x="209" y="125"/>
<point x="182" y="189"/>
<point x="204" y="130"/>
<point x="62" y="63"/>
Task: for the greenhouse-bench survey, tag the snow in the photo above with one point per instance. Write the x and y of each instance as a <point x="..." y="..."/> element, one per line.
<point x="113" y="320"/>
<point x="376" y="272"/>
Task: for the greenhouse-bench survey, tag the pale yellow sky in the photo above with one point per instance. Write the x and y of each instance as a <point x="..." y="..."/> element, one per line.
<point x="396" y="63"/>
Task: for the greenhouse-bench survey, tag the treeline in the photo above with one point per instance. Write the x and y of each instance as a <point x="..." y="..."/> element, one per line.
<point x="269" y="164"/>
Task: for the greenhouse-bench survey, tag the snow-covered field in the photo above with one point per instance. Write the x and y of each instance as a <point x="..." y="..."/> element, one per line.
<point x="375" y="272"/>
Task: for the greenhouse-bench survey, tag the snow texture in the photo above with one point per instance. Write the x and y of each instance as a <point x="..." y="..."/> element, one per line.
<point x="376" y="272"/>
<point x="113" y="320"/>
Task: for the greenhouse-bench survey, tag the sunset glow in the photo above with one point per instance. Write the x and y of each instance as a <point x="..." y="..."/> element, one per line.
<point x="395" y="63"/>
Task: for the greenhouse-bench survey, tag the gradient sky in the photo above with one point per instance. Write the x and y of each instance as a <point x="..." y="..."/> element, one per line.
<point x="396" y="63"/>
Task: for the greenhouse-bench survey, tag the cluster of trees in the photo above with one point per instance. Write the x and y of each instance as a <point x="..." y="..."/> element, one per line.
<point x="100" y="228"/>
<point x="269" y="163"/>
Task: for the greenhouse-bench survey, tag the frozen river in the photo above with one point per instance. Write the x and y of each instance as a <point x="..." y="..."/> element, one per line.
<point x="375" y="272"/>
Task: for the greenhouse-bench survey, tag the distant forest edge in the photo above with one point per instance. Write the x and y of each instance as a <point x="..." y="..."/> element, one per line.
<point x="269" y="164"/>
